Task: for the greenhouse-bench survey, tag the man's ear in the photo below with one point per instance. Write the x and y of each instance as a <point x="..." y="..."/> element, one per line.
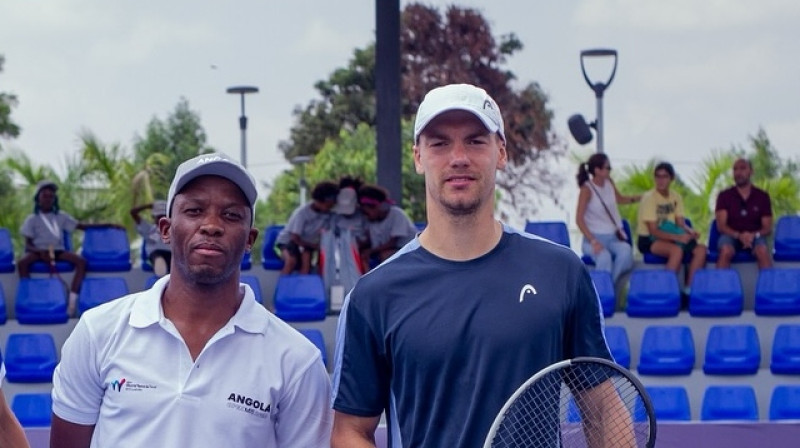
<point x="417" y="162"/>
<point x="164" y="226"/>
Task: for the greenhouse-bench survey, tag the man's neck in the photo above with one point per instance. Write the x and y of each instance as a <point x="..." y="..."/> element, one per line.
<point x="744" y="190"/>
<point x="461" y="238"/>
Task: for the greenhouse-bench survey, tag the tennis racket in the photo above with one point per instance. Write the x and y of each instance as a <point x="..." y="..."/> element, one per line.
<point x="577" y="403"/>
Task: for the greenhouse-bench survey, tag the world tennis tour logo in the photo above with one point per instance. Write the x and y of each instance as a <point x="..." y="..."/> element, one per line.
<point x="117" y="384"/>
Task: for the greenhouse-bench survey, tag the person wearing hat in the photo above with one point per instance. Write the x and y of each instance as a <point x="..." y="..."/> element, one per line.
<point x="157" y="251"/>
<point x="444" y="331"/>
<point x="388" y="226"/>
<point x="44" y="232"/>
<point x="194" y="360"/>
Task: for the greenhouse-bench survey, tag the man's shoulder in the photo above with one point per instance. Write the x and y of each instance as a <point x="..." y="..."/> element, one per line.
<point x="760" y="192"/>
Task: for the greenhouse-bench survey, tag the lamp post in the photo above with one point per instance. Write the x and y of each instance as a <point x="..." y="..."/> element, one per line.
<point x="577" y="125"/>
<point x="301" y="161"/>
<point x="242" y="91"/>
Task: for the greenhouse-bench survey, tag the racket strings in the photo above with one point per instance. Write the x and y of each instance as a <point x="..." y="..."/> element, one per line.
<point x="591" y="406"/>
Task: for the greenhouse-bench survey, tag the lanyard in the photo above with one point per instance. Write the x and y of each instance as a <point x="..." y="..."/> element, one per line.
<point x="51" y="225"/>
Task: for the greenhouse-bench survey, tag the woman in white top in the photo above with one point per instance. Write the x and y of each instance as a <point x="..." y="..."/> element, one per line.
<point x="598" y="219"/>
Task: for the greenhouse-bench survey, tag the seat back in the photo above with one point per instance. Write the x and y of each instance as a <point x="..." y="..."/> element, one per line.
<point x="300" y="298"/>
<point x="670" y="403"/>
<point x="787" y="239"/>
<point x="106" y="249"/>
<point x="41" y="301"/>
<point x="99" y="290"/>
<point x="30" y="358"/>
<point x="778" y="292"/>
<point x="786" y="350"/>
<point x="732" y="350"/>
<point x="716" y="292"/>
<point x="255" y="285"/>
<point x="33" y="410"/>
<point x="653" y="293"/>
<point x="618" y="343"/>
<point x="604" y="285"/>
<point x="6" y="251"/>
<point x="3" y="310"/>
<point x="555" y="231"/>
<point x="667" y="350"/>
<point x="784" y="404"/>
<point x="315" y="336"/>
<point x="729" y="402"/>
<point x="270" y="259"/>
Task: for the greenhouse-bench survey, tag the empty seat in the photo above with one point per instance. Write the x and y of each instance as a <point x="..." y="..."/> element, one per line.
<point x="247" y="262"/>
<point x="300" y="298"/>
<point x="30" y="358"/>
<point x="729" y="402"/>
<point x="270" y="258"/>
<point x="626" y="226"/>
<point x="786" y="350"/>
<point x="255" y="285"/>
<point x="670" y="403"/>
<point x="617" y="340"/>
<point x="787" y="239"/>
<point x="314" y="335"/>
<point x="778" y="292"/>
<point x="604" y="285"/>
<point x="716" y="292"/>
<point x="651" y="258"/>
<point x="99" y="290"/>
<point x="732" y="350"/>
<point x="106" y="249"/>
<point x="741" y="256"/>
<point x="61" y="266"/>
<point x="3" y="311"/>
<point x="555" y="231"/>
<point x="32" y="410"/>
<point x="667" y="350"/>
<point x="6" y="251"/>
<point x="41" y="301"/>
<point x="785" y="403"/>
<point x="653" y="293"/>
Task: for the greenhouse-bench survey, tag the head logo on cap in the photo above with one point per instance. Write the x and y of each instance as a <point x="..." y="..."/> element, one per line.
<point x="459" y="97"/>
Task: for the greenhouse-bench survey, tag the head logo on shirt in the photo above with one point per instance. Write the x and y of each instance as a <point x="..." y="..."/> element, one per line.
<point x="117" y="384"/>
<point x="527" y="289"/>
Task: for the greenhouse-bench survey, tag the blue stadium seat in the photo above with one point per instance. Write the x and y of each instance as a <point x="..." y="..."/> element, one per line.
<point x="670" y="403"/>
<point x="146" y="266"/>
<point x="778" y="292"/>
<point x="33" y="410"/>
<point x="732" y="350"/>
<point x="716" y="292"/>
<point x="605" y="290"/>
<point x="40" y="267"/>
<point x="150" y="281"/>
<point x="785" y="403"/>
<point x="667" y="350"/>
<point x="3" y="310"/>
<point x="41" y="301"/>
<point x="573" y="413"/>
<point x="99" y="290"/>
<point x="626" y="226"/>
<point x="617" y="340"/>
<point x="653" y="293"/>
<point x="650" y="258"/>
<point x="6" y="251"/>
<point x="247" y="262"/>
<point x="270" y="259"/>
<point x="729" y="402"/>
<point x="555" y="231"/>
<point x="106" y="249"/>
<point x="30" y="358"/>
<point x="254" y="284"/>
<point x="300" y="298"/>
<point x="314" y="335"/>
<point x="713" y="251"/>
<point x="786" y="350"/>
<point x="787" y="239"/>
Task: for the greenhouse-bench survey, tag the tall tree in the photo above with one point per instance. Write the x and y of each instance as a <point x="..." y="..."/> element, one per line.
<point x="8" y="129"/>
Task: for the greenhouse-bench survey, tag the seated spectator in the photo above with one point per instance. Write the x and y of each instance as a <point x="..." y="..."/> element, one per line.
<point x="388" y="226"/>
<point x="299" y="240"/>
<point x="663" y="230"/>
<point x="347" y="214"/>
<point x="44" y="238"/>
<point x="598" y="218"/>
<point x="744" y="218"/>
<point x="157" y="252"/>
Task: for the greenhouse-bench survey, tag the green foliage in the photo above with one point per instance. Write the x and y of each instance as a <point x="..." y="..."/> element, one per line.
<point x="8" y="129"/>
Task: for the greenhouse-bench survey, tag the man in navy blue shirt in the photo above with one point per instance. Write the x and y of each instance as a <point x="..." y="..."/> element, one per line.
<point x="442" y="333"/>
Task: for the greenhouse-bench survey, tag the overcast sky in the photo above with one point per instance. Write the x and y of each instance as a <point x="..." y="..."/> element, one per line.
<point x="693" y="76"/>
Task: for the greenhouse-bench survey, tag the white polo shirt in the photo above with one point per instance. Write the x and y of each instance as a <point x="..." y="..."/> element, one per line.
<point x="126" y="370"/>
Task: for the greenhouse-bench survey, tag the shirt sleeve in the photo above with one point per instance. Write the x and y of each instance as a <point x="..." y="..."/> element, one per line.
<point x="68" y="223"/>
<point x="305" y="418"/>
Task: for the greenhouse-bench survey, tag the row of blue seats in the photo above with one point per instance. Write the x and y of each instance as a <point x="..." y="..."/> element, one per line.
<point x="724" y="403"/>
<point x="729" y="350"/>
<point x="714" y="292"/>
<point x="786" y="239"/>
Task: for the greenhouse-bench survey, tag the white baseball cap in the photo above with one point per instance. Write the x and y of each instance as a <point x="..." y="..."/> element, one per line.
<point x="459" y="97"/>
<point x="215" y="164"/>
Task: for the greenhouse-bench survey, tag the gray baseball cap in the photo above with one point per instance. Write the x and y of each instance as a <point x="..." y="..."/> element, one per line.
<point x="214" y="164"/>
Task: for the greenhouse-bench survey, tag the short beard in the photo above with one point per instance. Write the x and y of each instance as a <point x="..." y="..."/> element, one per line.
<point x="204" y="275"/>
<point x="460" y="209"/>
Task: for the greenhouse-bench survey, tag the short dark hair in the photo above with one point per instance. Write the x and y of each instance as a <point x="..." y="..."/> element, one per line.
<point x="373" y="192"/>
<point x="325" y="191"/>
<point x="665" y="166"/>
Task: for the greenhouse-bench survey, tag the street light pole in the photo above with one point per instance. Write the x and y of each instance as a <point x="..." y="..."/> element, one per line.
<point x="599" y="87"/>
<point x="301" y="161"/>
<point x="242" y="91"/>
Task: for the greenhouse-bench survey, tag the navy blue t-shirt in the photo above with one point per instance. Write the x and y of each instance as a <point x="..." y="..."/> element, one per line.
<point x="440" y="345"/>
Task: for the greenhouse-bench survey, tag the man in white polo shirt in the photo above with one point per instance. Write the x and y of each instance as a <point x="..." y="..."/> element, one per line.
<point x="195" y="360"/>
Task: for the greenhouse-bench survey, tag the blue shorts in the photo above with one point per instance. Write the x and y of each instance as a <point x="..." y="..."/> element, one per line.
<point x="737" y="245"/>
